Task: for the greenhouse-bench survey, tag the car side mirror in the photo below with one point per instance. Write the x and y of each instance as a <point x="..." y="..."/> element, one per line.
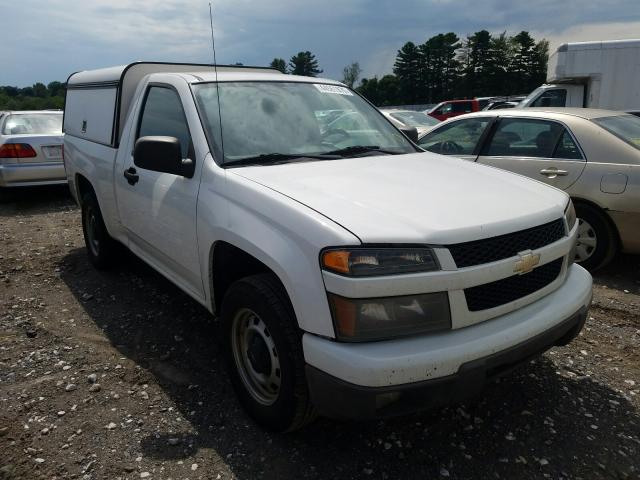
<point x="162" y="154"/>
<point x="411" y="133"/>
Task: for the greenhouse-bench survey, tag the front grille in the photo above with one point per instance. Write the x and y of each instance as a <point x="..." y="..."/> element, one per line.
<point x="508" y="289"/>
<point x="505" y="246"/>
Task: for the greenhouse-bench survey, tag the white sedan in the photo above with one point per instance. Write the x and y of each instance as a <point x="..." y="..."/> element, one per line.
<point x="31" y="148"/>
<point x="593" y="155"/>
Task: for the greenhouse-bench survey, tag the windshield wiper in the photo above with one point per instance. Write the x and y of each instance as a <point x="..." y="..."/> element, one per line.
<point x="277" y="158"/>
<point x="356" y="149"/>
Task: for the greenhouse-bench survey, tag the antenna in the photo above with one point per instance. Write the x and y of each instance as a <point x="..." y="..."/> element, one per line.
<point x="215" y="68"/>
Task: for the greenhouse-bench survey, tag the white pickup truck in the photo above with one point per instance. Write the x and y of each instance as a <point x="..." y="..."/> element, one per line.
<point x="354" y="274"/>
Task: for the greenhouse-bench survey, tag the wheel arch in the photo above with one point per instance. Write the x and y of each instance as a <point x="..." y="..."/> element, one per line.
<point x="229" y="263"/>
<point x="603" y="212"/>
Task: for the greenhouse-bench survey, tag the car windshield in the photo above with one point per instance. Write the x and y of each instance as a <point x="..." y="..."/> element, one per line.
<point x="625" y="127"/>
<point x="263" y="122"/>
<point x="33" y="124"/>
<point x="415" y="119"/>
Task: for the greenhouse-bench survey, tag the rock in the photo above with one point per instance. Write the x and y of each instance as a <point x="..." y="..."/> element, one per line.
<point x="543" y="462"/>
<point x="444" y="472"/>
<point x="145" y="475"/>
<point x="111" y="426"/>
<point x="144" y="395"/>
<point x="93" y="378"/>
<point x="173" y="441"/>
<point x="95" y="387"/>
<point x="44" y="431"/>
<point x="32" y="333"/>
<point x="70" y="388"/>
<point x="4" y="431"/>
<point x="194" y="466"/>
<point x="61" y="413"/>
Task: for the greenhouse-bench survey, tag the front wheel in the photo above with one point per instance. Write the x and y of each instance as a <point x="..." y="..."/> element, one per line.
<point x="596" y="244"/>
<point x="263" y="351"/>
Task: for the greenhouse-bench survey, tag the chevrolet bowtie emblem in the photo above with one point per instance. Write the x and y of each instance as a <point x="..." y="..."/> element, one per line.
<point x="527" y="262"/>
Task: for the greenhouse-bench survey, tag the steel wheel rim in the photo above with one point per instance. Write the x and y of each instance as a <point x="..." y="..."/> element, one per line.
<point x="587" y="241"/>
<point x="255" y="356"/>
<point x="92" y="234"/>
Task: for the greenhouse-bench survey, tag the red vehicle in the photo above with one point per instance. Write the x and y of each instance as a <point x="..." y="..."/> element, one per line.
<point x="453" y="108"/>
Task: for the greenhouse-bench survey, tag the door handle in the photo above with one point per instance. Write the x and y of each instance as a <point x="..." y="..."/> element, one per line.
<point x="131" y="176"/>
<point x="554" y="172"/>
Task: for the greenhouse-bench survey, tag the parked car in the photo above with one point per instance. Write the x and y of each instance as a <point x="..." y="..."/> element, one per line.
<point x="31" y="148"/>
<point x="593" y="155"/>
<point x="500" y="104"/>
<point x="350" y="276"/>
<point x="410" y="118"/>
<point x="453" y="108"/>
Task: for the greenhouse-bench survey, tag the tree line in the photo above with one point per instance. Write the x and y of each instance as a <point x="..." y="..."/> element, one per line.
<point x="446" y="67"/>
<point x="36" y="97"/>
<point x="443" y="67"/>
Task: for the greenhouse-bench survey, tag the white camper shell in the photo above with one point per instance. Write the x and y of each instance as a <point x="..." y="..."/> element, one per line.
<point x="98" y="101"/>
<point x="602" y="74"/>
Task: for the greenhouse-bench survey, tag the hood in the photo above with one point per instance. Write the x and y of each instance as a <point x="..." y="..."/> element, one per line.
<point x="414" y="198"/>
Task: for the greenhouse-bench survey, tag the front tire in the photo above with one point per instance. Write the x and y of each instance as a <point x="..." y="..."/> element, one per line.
<point x="263" y="351"/>
<point x="100" y="246"/>
<point x="596" y="244"/>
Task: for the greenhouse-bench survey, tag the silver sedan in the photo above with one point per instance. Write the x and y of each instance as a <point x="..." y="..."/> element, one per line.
<point x="31" y="148"/>
<point x="593" y="155"/>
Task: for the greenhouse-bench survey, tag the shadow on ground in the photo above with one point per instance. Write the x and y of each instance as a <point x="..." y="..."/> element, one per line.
<point x="532" y="423"/>
<point x="31" y="200"/>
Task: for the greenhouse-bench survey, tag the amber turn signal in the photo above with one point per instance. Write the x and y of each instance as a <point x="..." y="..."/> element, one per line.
<point x="336" y="260"/>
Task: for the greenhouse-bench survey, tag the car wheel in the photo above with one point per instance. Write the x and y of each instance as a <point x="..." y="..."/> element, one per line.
<point x="100" y="246"/>
<point x="263" y="351"/>
<point x="596" y="243"/>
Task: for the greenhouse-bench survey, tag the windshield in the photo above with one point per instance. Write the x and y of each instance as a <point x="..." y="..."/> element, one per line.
<point x="33" y="123"/>
<point x="414" y="119"/>
<point x="293" y="119"/>
<point x="625" y="127"/>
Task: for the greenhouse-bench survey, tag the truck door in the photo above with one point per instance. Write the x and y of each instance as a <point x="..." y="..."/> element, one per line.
<point x="158" y="210"/>
<point x="544" y="150"/>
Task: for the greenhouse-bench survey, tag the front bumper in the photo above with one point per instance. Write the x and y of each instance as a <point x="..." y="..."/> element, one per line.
<point x="28" y="174"/>
<point x="399" y="376"/>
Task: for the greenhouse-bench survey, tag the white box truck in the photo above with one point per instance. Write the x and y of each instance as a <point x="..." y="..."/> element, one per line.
<point x="593" y="75"/>
<point x="354" y="274"/>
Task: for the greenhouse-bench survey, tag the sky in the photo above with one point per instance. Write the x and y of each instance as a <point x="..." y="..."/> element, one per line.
<point x="47" y="40"/>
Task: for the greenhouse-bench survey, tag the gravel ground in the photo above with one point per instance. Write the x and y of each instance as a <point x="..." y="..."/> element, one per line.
<point x="118" y="375"/>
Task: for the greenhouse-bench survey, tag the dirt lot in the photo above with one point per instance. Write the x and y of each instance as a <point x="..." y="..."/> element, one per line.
<point x="118" y="375"/>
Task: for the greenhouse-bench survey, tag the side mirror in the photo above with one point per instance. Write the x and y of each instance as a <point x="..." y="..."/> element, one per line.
<point x="411" y="132"/>
<point x="162" y="154"/>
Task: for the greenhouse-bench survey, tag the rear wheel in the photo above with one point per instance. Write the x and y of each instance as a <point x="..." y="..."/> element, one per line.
<point x="263" y="352"/>
<point x="596" y="245"/>
<point x="100" y="246"/>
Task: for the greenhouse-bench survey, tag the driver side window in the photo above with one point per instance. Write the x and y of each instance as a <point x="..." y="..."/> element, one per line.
<point x="163" y="116"/>
<point x="456" y="138"/>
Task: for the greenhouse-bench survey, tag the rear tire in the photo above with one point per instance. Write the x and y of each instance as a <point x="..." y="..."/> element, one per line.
<point x="100" y="246"/>
<point x="596" y="239"/>
<point x="263" y="351"/>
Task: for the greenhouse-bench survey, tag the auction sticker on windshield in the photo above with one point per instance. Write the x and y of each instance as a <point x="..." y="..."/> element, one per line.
<point x="333" y="89"/>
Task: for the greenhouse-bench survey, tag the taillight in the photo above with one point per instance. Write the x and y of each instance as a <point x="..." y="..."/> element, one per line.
<point x="17" y="150"/>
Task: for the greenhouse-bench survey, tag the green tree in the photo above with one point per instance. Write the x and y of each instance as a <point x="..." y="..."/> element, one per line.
<point x="279" y="64"/>
<point x="304" y="63"/>
<point x="407" y="69"/>
<point x="40" y="90"/>
<point x="351" y="73"/>
<point x="439" y="67"/>
<point x="368" y="88"/>
<point x="56" y="89"/>
<point x="522" y="62"/>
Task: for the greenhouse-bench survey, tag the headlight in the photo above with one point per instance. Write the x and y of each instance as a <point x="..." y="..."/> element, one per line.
<point x="369" y="319"/>
<point x="570" y="215"/>
<point x="369" y="262"/>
